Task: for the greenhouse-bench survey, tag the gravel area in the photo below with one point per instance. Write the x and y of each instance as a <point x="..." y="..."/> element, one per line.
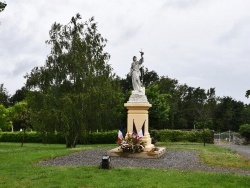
<point x="241" y="149"/>
<point x="172" y="159"/>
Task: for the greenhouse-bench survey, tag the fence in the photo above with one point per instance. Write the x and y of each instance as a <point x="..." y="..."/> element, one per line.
<point x="228" y="137"/>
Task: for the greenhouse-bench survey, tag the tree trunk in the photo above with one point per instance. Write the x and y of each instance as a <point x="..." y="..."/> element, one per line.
<point x="23" y="138"/>
<point x="71" y="140"/>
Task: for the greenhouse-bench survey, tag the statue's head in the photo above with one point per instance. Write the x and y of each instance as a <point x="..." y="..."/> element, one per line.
<point x="134" y="58"/>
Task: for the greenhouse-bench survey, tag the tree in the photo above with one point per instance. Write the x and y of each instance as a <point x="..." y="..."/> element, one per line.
<point x="2" y="6"/>
<point x="247" y="93"/>
<point x="229" y="114"/>
<point x="169" y="86"/>
<point x="246" y="114"/>
<point x="19" y="116"/>
<point x="191" y="106"/>
<point x="149" y="77"/>
<point x="19" y="96"/>
<point x="5" y="124"/>
<point x="205" y="106"/>
<point x="4" y="97"/>
<point x="75" y="91"/>
<point x="245" y="132"/>
<point x="160" y="108"/>
<point x="126" y="85"/>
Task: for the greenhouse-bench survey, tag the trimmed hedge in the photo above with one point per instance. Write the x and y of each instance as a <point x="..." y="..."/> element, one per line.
<point x="167" y="135"/>
<point x="49" y="138"/>
<point x="29" y="137"/>
<point x="109" y="137"/>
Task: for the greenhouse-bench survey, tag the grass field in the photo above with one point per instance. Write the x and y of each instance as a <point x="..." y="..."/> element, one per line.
<point x="18" y="169"/>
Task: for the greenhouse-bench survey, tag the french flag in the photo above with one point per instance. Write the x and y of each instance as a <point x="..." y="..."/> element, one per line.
<point x="134" y="135"/>
<point x="120" y="135"/>
<point x="141" y="132"/>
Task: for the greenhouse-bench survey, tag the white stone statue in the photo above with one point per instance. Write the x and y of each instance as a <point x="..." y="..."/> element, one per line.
<point x="135" y="73"/>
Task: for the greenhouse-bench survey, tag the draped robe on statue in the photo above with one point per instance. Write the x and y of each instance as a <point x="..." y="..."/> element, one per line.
<point x="135" y="73"/>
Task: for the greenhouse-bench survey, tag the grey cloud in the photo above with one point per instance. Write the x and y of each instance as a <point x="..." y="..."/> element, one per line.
<point x="22" y="67"/>
<point x="239" y="31"/>
<point x="127" y="34"/>
<point x="12" y="44"/>
<point x="182" y="4"/>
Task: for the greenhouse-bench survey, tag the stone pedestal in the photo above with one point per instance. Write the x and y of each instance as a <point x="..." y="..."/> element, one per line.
<point x="138" y="113"/>
<point x="137" y="107"/>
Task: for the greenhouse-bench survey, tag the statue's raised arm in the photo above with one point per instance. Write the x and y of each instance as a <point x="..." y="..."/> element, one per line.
<point x="135" y="72"/>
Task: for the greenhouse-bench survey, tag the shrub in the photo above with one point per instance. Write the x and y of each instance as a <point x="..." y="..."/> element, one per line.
<point x="52" y="138"/>
<point x="109" y="137"/>
<point x="191" y="136"/>
<point x="167" y="135"/>
<point x="154" y="136"/>
<point x="58" y="138"/>
<point x="245" y="132"/>
<point x="29" y="137"/>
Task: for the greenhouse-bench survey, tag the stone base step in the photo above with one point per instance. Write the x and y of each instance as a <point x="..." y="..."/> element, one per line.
<point x="117" y="152"/>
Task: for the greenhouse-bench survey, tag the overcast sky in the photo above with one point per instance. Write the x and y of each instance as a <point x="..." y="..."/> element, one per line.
<point x="203" y="43"/>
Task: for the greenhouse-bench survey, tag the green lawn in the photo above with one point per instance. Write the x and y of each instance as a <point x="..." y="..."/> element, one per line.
<point x="18" y="169"/>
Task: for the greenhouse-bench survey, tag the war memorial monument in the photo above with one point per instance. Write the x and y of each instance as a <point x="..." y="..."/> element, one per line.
<point x="137" y="116"/>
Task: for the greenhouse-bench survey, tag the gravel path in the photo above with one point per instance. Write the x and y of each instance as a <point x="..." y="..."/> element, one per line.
<point x="172" y="159"/>
<point x="243" y="150"/>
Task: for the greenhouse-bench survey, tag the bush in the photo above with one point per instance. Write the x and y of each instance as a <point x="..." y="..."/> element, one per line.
<point x="109" y="137"/>
<point x="167" y="135"/>
<point x="245" y="132"/>
<point x="52" y="138"/>
<point x="29" y="137"/>
<point x="58" y="138"/>
<point x="154" y="136"/>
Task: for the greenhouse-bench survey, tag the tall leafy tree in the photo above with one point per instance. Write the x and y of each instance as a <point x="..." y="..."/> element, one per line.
<point x="159" y="112"/>
<point x="204" y="108"/>
<point x="19" y="96"/>
<point x="245" y="132"/>
<point x="246" y="114"/>
<point x="5" y="124"/>
<point x="75" y="91"/>
<point x="229" y="114"/>
<point x="2" y="6"/>
<point x="149" y="77"/>
<point x="247" y="93"/>
<point x="19" y="116"/>
<point x="169" y="86"/>
<point x="4" y="96"/>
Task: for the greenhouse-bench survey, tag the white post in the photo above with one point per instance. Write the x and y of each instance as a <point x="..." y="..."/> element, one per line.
<point x="219" y="137"/>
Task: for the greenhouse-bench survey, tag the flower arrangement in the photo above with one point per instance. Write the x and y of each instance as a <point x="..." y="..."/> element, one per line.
<point x="132" y="144"/>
